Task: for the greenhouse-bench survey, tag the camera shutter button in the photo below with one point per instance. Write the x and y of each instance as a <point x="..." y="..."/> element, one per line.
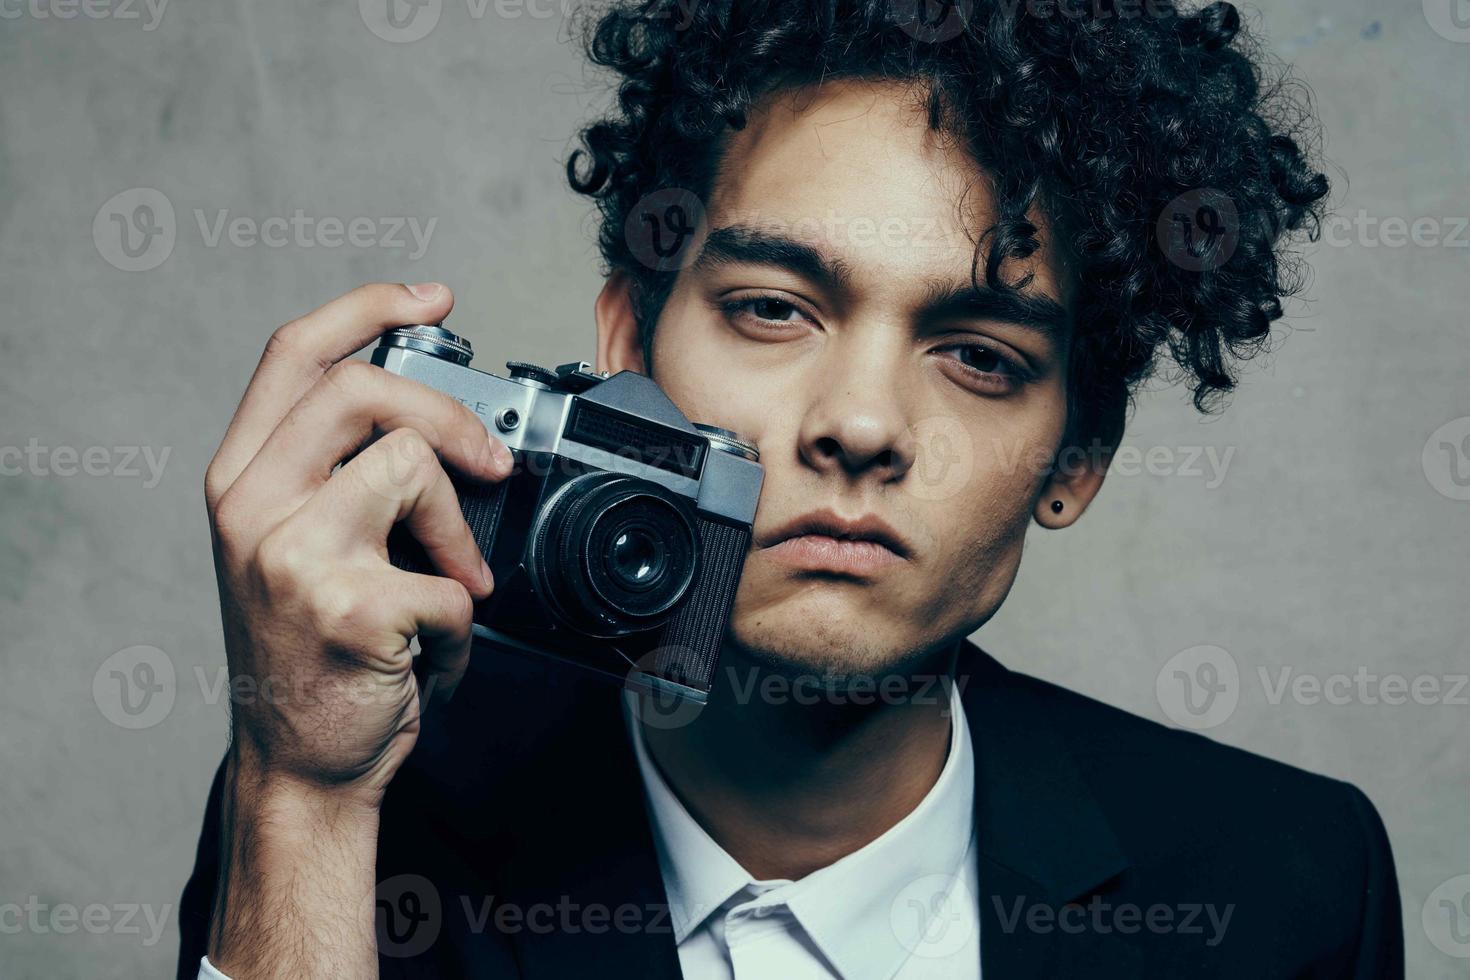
<point x="431" y="339"/>
<point x="728" y="441"/>
<point x="526" y="371"/>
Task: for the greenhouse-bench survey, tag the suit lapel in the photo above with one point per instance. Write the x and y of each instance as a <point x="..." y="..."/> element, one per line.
<point x="587" y="855"/>
<point x="1043" y="839"/>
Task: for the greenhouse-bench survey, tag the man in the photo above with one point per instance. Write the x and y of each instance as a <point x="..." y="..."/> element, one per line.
<point x="918" y="256"/>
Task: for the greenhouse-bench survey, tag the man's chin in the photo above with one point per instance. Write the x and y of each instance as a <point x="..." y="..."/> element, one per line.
<point x="803" y="645"/>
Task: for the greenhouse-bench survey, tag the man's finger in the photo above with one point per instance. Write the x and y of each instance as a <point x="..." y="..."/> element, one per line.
<point x="436" y="610"/>
<point x="445" y="634"/>
<point x="303" y="350"/>
<point x="342" y="412"/>
<point x="396" y="479"/>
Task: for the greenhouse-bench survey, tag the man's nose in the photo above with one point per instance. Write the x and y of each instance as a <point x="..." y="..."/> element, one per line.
<point x="855" y="421"/>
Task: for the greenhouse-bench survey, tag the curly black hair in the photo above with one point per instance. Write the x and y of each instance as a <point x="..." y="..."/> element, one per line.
<point x="1131" y="126"/>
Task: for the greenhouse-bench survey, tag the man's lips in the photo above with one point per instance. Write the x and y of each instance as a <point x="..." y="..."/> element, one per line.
<point x="823" y="553"/>
<point x="823" y="540"/>
<point x="826" y="521"/>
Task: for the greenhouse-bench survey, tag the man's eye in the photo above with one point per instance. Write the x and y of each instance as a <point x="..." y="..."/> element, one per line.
<point x="987" y="368"/>
<point x="766" y="308"/>
<point x="984" y="359"/>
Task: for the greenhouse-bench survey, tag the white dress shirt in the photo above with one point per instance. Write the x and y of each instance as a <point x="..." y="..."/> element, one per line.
<point x="902" y="907"/>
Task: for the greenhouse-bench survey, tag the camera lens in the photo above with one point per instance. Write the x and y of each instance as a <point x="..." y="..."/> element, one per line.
<point x="615" y="553"/>
<point x="640" y="553"/>
<point x="635" y="559"/>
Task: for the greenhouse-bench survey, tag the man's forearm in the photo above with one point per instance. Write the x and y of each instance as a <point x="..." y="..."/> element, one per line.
<point x="297" y="877"/>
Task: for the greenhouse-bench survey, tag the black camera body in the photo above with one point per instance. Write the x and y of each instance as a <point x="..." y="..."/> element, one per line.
<point x="618" y="541"/>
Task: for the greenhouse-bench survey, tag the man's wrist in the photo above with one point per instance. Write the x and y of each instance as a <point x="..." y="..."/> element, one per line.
<point x="277" y="796"/>
<point x="297" y="873"/>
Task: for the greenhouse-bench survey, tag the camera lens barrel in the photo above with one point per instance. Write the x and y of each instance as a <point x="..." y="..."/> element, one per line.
<point x="614" y="553"/>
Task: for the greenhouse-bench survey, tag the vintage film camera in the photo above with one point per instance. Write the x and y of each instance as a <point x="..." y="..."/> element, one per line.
<point x="618" y="541"/>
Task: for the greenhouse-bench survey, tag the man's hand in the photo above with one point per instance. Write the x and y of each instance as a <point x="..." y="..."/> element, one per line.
<point x="320" y="621"/>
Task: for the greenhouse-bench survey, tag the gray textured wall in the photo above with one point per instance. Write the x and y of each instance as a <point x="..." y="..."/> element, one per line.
<point x="1333" y="541"/>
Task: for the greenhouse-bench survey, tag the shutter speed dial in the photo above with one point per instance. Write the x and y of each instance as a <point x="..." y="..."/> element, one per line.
<point x="431" y="339"/>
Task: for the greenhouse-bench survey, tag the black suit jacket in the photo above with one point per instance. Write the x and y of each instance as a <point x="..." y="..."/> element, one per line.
<point x="515" y="843"/>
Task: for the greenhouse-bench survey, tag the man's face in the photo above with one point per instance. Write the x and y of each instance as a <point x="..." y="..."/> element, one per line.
<point x="830" y="319"/>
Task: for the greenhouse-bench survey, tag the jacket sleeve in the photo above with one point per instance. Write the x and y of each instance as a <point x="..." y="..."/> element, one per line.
<point x="197" y="902"/>
<point x="196" y="908"/>
<point x="1381" y="929"/>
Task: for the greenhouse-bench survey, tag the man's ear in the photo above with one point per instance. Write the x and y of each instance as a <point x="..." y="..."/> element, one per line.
<point x="1075" y="480"/>
<point x="618" y="345"/>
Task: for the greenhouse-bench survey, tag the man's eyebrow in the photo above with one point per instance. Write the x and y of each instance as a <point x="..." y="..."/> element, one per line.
<point x="753" y="246"/>
<point x="746" y="244"/>
<point x="950" y="301"/>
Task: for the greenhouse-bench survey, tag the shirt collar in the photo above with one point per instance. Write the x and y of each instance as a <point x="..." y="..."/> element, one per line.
<point x="846" y="907"/>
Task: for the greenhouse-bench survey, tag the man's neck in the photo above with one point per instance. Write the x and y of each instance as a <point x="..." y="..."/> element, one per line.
<point x="787" y="787"/>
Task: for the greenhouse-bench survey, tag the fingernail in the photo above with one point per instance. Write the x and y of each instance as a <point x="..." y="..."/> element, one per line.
<point x="503" y="456"/>
<point x="485" y="574"/>
<point x="426" y="290"/>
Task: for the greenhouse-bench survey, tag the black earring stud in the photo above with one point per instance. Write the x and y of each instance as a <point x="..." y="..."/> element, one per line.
<point x="1056" y="506"/>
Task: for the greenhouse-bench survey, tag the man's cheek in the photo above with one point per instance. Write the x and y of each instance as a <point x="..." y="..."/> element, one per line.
<point x="970" y="586"/>
<point x="994" y="499"/>
<point x="975" y="541"/>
